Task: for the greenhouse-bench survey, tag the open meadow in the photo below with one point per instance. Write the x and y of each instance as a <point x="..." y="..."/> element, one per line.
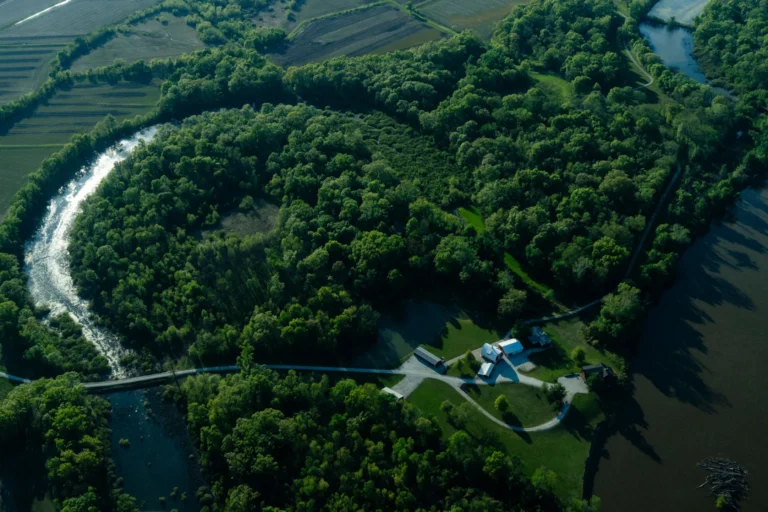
<point x="353" y="34"/>
<point x="478" y="15"/>
<point x="13" y="11"/>
<point x="149" y="40"/>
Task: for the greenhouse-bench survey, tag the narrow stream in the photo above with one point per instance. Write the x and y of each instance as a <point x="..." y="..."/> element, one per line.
<point x="46" y="255"/>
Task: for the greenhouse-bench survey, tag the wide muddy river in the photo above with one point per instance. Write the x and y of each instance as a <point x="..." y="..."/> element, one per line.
<point x="699" y="376"/>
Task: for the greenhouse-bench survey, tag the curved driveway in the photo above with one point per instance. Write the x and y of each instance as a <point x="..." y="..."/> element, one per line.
<point x="413" y="368"/>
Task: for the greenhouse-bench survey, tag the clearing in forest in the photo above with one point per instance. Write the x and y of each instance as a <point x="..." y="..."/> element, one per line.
<point x="353" y="34"/>
<point x="162" y="37"/>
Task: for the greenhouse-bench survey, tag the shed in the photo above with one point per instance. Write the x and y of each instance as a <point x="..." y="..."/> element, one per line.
<point x="490" y="353"/>
<point x="428" y="357"/>
<point x="486" y="369"/>
<point x="390" y="391"/>
<point x="511" y="347"/>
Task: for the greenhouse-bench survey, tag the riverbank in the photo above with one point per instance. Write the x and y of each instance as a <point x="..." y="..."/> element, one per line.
<point x="696" y="376"/>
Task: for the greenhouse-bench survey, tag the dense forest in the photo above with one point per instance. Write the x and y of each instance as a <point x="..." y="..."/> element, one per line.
<point x="272" y="442"/>
<point x="358" y="166"/>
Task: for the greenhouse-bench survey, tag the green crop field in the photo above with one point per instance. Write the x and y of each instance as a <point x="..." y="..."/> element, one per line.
<point x="478" y="15"/>
<point x="147" y="41"/>
<point x="24" y="63"/>
<point x="76" y="18"/>
<point x="35" y="138"/>
<point x="353" y="34"/>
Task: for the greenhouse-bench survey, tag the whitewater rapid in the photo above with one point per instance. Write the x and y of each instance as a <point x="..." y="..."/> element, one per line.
<point x="46" y="255"/>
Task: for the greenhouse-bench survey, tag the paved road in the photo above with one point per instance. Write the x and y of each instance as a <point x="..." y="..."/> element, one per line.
<point x="414" y="370"/>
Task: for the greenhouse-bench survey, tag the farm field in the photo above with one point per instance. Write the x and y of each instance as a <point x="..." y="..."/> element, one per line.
<point x="478" y="15"/>
<point x="13" y="11"/>
<point x="354" y="34"/>
<point x="147" y="41"/>
<point x="314" y="8"/>
<point x="24" y="64"/>
<point x="78" y="17"/>
<point x="32" y="140"/>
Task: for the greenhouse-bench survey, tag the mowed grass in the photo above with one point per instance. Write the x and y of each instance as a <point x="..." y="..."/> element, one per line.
<point x="443" y="329"/>
<point x="556" y="361"/>
<point x="478" y="15"/>
<point x="353" y="34"/>
<point x="554" y="85"/>
<point x="77" y="18"/>
<point x="563" y="449"/>
<point x="147" y="41"/>
<point x="528" y="406"/>
<point x="25" y="63"/>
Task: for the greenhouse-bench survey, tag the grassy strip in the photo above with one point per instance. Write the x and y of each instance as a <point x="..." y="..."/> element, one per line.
<point x="415" y="14"/>
<point x="556" y="361"/>
<point x="474" y="219"/>
<point x="304" y="24"/>
<point x="528" y="406"/>
<point x="563" y="449"/>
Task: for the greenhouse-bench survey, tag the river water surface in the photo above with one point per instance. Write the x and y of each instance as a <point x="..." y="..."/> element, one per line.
<point x="700" y="376"/>
<point x="46" y="256"/>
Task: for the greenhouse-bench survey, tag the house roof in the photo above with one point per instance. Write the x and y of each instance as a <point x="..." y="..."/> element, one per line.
<point x="392" y="392"/>
<point x="490" y="352"/>
<point x="428" y="356"/>
<point x="486" y="369"/>
<point x="512" y="346"/>
<point x="601" y="368"/>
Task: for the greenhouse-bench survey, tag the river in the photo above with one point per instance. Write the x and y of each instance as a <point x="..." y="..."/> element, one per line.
<point x="46" y="256"/>
<point x="698" y="376"/>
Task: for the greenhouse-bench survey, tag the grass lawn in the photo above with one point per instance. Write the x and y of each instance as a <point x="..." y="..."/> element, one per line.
<point x="473" y="218"/>
<point x="443" y="329"/>
<point x="556" y="361"/>
<point x="528" y="405"/>
<point x="563" y="449"/>
<point x="554" y="85"/>
<point x="460" y="335"/>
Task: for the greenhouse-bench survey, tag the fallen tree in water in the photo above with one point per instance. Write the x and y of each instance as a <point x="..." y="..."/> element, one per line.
<point x="727" y="481"/>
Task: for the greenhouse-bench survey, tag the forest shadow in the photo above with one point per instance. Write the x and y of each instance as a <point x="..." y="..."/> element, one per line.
<point x="404" y="327"/>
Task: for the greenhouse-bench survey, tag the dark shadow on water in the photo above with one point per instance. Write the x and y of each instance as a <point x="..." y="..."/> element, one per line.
<point x="22" y="481"/>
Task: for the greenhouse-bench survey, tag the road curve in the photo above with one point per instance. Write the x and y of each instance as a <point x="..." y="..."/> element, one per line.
<point x="455" y="382"/>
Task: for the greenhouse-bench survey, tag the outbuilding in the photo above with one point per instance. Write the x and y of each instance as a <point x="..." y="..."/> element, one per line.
<point x="428" y="357"/>
<point x="602" y="370"/>
<point x="539" y="337"/>
<point x="490" y="353"/>
<point x="511" y="347"/>
<point x="390" y="391"/>
<point x="486" y="369"/>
